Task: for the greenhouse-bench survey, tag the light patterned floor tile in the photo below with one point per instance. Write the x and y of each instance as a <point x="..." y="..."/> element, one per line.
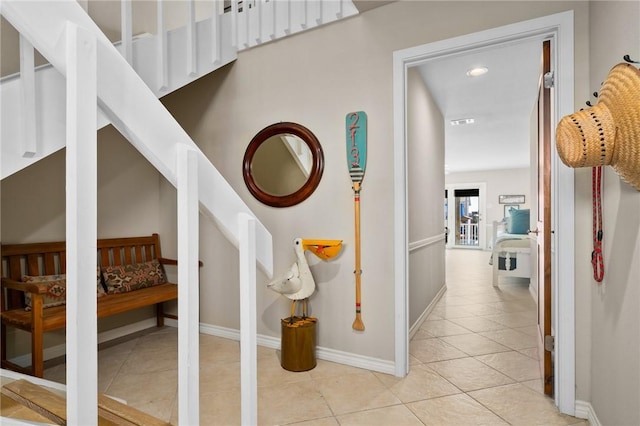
<point x="478" y="324"/>
<point x="520" y="405"/>
<point x="469" y="374"/>
<point x="482" y="309"/>
<point x="474" y="344"/>
<point x="355" y="392"/>
<point x="537" y="385"/>
<point x="422" y="334"/>
<point x="530" y="352"/>
<point x="271" y="373"/>
<point x="421" y="383"/>
<point x="438" y="328"/>
<point x="327" y="369"/>
<point x="324" y="421"/>
<point x="148" y="361"/>
<point x="139" y="389"/>
<point x="511" y="338"/>
<point x="397" y="415"/>
<point x="430" y="350"/>
<point x="219" y="377"/>
<point x="531" y="330"/>
<point x="292" y="402"/>
<point x="450" y="300"/>
<point x="217" y="409"/>
<point x="448" y="312"/>
<point x="514" y="364"/>
<point x="454" y="410"/>
<point x="512" y="320"/>
<point x="510" y="306"/>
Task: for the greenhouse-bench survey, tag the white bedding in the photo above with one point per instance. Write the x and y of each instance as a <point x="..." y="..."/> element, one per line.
<point x="512" y="251"/>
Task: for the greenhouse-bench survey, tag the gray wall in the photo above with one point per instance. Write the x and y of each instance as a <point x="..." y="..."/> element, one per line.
<point x="614" y="314"/>
<point x="315" y="78"/>
<point x="425" y="153"/>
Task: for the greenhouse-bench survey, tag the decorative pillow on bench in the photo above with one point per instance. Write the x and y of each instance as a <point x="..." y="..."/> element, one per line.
<point x="124" y="278"/>
<point x="56" y="294"/>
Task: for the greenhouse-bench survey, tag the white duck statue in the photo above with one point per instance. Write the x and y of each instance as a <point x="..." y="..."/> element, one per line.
<point x="298" y="283"/>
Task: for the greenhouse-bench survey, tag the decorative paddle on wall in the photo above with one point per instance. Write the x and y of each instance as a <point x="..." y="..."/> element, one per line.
<point x="356" y="129"/>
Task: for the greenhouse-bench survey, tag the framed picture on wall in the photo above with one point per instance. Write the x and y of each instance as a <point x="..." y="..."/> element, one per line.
<point x="508" y="207"/>
<point x="511" y="199"/>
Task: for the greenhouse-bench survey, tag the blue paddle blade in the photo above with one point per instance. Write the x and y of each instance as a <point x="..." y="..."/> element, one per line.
<point x="356" y="132"/>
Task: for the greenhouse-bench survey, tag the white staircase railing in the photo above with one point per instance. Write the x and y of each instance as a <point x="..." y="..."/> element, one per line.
<point x="264" y="20"/>
<point x="165" y="61"/>
<point x="75" y="46"/>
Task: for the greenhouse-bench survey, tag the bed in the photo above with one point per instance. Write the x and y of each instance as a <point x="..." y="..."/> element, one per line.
<point x="511" y="247"/>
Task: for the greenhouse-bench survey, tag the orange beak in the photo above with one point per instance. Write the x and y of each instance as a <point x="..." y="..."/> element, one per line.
<point x="324" y="249"/>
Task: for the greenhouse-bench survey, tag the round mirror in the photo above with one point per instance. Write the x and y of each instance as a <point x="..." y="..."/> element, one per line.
<point x="283" y="164"/>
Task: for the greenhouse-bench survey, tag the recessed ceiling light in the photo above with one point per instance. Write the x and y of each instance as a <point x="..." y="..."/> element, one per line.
<point x="475" y="72"/>
<point x="462" y="121"/>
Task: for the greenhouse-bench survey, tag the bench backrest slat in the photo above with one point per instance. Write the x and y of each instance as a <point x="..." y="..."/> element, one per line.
<point x="127" y="256"/>
<point x="104" y="257"/>
<point x="63" y="262"/>
<point x="117" y="256"/>
<point x="33" y="266"/>
<point x="49" y="263"/>
<point x="15" y="267"/>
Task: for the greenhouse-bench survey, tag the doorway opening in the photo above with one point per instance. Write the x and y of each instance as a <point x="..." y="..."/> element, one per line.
<point x="559" y="29"/>
<point x="465" y="212"/>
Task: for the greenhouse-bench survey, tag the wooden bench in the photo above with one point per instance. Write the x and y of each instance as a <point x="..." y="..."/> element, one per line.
<point x="39" y="259"/>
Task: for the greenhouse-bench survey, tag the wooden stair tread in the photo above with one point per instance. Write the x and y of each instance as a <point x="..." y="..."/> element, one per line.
<point x="15" y="410"/>
<point x="38" y="399"/>
<point x="124" y="414"/>
<point x="46" y="404"/>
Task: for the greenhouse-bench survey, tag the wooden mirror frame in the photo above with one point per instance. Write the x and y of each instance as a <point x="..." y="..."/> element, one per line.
<point x="314" y="176"/>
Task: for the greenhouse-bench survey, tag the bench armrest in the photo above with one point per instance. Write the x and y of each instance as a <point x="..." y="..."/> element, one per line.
<point x="165" y="261"/>
<point x="35" y="288"/>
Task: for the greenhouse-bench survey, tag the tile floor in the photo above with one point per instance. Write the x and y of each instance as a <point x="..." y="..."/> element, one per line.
<point x="473" y="362"/>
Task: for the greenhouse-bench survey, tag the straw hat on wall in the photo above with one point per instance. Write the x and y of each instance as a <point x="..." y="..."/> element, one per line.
<point x="607" y="133"/>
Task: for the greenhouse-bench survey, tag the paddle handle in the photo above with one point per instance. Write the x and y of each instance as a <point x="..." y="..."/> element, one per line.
<point x="357" y="323"/>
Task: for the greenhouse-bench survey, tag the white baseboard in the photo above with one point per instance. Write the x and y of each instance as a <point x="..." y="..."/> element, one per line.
<point x="533" y="291"/>
<point x="105" y="336"/>
<point x="584" y="410"/>
<point x="326" y="354"/>
<point x="416" y="326"/>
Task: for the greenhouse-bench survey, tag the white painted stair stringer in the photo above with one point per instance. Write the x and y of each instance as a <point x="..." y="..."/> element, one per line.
<point x="133" y="108"/>
<point x="51" y="98"/>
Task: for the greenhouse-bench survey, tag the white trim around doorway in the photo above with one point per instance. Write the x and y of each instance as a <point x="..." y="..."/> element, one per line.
<point x="559" y="29"/>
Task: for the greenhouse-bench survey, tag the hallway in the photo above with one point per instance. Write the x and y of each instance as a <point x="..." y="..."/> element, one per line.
<point x="472" y="362"/>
